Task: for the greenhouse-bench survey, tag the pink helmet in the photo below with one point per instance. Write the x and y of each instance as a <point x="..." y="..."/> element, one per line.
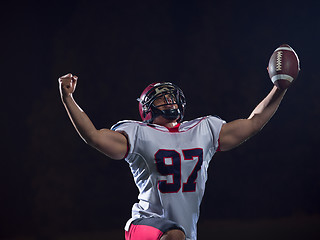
<point x="155" y="90"/>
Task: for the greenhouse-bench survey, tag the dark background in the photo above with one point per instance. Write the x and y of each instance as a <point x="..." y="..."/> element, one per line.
<point x="54" y="186"/>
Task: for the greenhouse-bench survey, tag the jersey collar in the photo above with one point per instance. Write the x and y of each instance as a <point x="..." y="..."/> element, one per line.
<point x="175" y="128"/>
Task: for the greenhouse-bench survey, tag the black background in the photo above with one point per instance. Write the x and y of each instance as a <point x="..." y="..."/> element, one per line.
<point x="53" y="186"/>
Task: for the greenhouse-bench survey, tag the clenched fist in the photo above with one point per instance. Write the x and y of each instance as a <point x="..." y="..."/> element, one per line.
<point x="67" y="85"/>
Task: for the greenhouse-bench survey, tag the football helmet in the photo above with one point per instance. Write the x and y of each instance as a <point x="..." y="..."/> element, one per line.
<point x="171" y="93"/>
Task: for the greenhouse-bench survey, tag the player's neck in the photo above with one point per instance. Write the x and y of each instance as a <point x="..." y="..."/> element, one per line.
<point x="171" y="124"/>
<point x="165" y="122"/>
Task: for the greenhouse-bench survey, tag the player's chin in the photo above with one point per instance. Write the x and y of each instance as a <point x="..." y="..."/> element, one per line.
<point x="161" y="120"/>
<point x="168" y="107"/>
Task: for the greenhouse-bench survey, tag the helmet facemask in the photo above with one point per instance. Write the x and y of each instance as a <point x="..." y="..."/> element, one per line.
<point x="171" y="95"/>
<point x="170" y="100"/>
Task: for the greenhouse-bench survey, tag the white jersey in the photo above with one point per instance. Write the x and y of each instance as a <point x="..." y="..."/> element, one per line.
<point x="169" y="167"/>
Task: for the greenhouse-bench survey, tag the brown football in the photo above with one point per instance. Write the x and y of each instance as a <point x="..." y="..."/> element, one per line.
<point x="284" y="66"/>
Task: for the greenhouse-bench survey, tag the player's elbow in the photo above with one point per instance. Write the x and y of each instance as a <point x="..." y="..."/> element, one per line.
<point x="256" y="124"/>
<point x="89" y="138"/>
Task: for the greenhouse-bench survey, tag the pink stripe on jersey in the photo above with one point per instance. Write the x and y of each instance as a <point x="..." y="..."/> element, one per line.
<point x="218" y="149"/>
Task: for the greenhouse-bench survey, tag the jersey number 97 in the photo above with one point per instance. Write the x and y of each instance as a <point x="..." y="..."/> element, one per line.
<point x="168" y="162"/>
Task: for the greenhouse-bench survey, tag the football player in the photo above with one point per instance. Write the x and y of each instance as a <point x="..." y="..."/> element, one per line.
<point x="168" y="157"/>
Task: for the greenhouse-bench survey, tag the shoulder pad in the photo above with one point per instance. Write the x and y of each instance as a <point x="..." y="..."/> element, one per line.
<point x="118" y="124"/>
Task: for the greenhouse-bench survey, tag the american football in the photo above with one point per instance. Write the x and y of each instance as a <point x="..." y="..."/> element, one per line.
<point x="284" y="66"/>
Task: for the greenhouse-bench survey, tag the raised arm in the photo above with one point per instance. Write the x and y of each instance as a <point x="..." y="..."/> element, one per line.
<point x="236" y="132"/>
<point x="111" y="143"/>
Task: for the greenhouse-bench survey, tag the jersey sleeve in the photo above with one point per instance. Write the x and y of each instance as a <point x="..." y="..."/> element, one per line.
<point x="215" y="124"/>
<point x="129" y="128"/>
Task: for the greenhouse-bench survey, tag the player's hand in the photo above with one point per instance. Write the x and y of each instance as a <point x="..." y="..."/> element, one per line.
<point x="67" y="85"/>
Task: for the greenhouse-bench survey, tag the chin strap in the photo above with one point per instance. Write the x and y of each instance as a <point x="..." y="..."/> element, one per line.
<point x="170" y="114"/>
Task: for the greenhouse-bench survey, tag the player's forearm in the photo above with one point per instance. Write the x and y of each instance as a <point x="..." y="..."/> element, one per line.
<point x="267" y="107"/>
<point x="80" y="120"/>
